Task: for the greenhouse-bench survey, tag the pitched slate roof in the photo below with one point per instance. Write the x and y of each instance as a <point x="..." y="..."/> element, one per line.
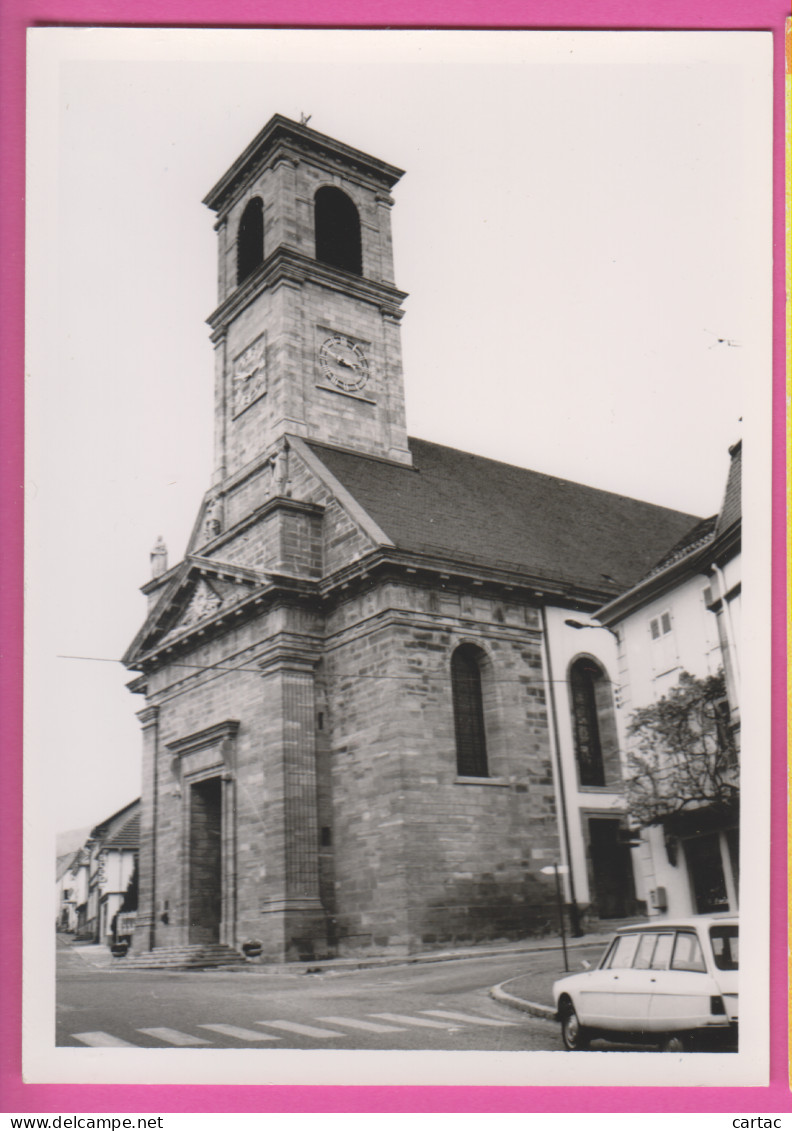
<point x="453" y="504"/>
<point x="700" y="535"/>
<point x="731" y="508"/>
<point x="128" y="836"/>
<point x="693" y="552"/>
<point x="708" y="530"/>
<point x="63" y="864"/>
<point x="111" y="824"/>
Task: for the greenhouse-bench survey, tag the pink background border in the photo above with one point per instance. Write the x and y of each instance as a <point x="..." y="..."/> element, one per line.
<point x="15" y="17"/>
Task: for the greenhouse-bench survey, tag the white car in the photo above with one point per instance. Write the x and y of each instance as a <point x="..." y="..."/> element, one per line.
<point x="668" y="982"/>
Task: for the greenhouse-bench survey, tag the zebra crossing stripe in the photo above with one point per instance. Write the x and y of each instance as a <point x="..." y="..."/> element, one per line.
<point x="366" y="1026"/>
<point x="465" y="1017"/>
<point x="100" y="1040"/>
<point x="173" y="1036"/>
<point x="423" y="1022"/>
<point x="242" y="1034"/>
<point x="301" y="1030"/>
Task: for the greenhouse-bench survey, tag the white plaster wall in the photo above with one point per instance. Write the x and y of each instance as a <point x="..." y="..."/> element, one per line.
<point x="564" y="644"/>
<point x="696" y="649"/>
<point x="646" y="674"/>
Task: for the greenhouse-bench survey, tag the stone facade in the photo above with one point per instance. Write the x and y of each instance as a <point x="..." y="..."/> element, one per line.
<point x="328" y="718"/>
<point x="300" y="783"/>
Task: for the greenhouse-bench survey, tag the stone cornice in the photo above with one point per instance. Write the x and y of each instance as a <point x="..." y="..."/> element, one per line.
<point x="290" y="651"/>
<point x="451" y="624"/>
<point x="287" y="265"/>
<point x="298" y="139"/>
<point x="148" y="716"/>
<point x="384" y="561"/>
<point x="276" y="503"/>
<point x="210" y="736"/>
<point x="457" y="572"/>
<point x="277" y="585"/>
<point x="207" y="567"/>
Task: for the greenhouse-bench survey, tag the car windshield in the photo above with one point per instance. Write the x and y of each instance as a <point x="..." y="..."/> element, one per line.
<point x="725" y="940"/>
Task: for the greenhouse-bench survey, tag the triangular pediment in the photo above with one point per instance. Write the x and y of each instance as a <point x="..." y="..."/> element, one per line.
<point x="203" y="602"/>
<point x="198" y="592"/>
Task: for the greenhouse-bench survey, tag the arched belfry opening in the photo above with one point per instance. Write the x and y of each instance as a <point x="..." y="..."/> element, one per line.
<point x="250" y="239"/>
<point x="337" y="227"/>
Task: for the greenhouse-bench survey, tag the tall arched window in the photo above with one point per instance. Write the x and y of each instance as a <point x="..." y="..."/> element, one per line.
<point x="337" y="226"/>
<point x="593" y="723"/>
<point x="471" y="746"/>
<point x="250" y="239"/>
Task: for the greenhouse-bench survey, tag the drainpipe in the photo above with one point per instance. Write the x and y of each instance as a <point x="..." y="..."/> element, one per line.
<point x="574" y="914"/>
<point x="730" y="641"/>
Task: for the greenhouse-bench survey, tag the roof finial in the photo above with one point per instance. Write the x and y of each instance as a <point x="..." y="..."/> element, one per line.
<point x="159" y="558"/>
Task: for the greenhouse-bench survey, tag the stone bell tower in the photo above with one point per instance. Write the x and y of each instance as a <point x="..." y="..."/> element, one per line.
<point x="306" y="332"/>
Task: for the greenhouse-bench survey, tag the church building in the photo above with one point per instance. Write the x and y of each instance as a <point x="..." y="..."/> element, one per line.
<point x="371" y="719"/>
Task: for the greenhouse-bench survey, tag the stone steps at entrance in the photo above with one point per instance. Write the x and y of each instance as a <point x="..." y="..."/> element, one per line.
<point x="190" y="957"/>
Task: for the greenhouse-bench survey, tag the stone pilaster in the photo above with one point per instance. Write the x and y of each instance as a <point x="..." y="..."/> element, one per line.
<point x="299" y="771"/>
<point x="145" y="926"/>
<point x="295" y="917"/>
<point x="228" y="925"/>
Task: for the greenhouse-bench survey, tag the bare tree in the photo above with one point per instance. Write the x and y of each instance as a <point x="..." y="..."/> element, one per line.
<point x="683" y="754"/>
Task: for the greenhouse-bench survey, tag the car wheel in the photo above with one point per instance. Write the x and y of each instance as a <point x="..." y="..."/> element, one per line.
<point x="675" y="1042"/>
<point x="574" y="1035"/>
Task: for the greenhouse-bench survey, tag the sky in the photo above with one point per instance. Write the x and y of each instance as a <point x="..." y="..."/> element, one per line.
<point x="583" y="229"/>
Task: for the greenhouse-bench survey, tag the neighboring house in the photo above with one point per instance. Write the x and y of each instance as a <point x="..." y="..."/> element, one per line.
<point x="78" y="891"/>
<point x="367" y="722"/>
<point x="684" y="616"/>
<point x="68" y="845"/>
<point x="65" y="910"/>
<point x="111" y="851"/>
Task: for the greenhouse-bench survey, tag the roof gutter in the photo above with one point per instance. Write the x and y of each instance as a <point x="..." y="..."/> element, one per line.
<point x="626" y="602"/>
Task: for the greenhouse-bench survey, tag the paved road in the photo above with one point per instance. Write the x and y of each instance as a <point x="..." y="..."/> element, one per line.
<point x="444" y="1005"/>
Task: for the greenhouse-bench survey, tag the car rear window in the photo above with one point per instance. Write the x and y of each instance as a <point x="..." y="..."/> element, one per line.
<point x="725" y="942"/>
<point x="662" y="952"/>
<point x="623" y="952"/>
<point x="687" y="953"/>
<point x="643" y="957"/>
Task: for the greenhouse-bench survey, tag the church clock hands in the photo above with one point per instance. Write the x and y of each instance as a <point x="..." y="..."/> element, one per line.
<point x="343" y="363"/>
<point x="250" y="375"/>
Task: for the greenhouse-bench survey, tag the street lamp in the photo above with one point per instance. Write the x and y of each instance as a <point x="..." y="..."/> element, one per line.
<point x="558" y="870"/>
<point x="574" y="913"/>
<point x="581" y="624"/>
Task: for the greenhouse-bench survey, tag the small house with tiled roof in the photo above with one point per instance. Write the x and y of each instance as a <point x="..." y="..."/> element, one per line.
<point x="111" y="852"/>
<point x="65" y="901"/>
<point x="371" y="720"/>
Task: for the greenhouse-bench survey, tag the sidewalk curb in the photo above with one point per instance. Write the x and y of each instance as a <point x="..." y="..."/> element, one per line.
<point x="341" y="965"/>
<point x="532" y="1007"/>
<point x="329" y="965"/>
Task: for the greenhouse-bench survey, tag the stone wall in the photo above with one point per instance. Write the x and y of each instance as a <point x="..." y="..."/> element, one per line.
<point x="352" y="830"/>
<point x="422" y="856"/>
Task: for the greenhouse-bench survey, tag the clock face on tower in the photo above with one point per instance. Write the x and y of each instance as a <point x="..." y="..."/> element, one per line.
<point x="250" y="375"/>
<point x="343" y="363"/>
